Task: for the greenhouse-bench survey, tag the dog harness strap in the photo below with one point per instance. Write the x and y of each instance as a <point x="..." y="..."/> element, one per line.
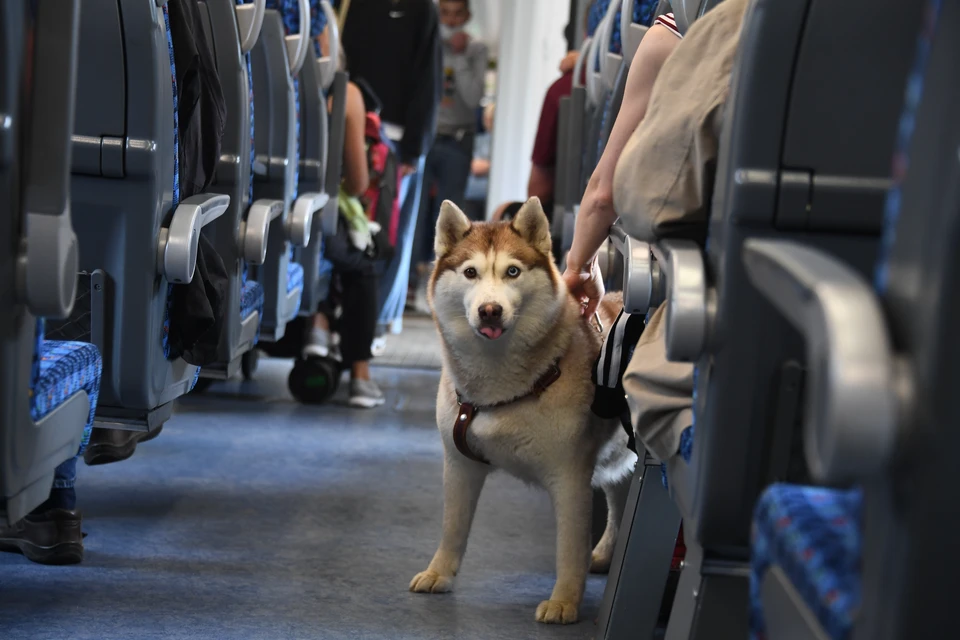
<point x="464" y="417"/>
<point x="468" y="411"/>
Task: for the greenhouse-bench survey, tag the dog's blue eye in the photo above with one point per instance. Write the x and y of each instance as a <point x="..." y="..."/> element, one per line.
<point x="513" y="272"/>
<point x="470" y="273"/>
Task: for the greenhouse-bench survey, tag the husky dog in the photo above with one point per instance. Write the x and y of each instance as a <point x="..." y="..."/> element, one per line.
<point x="515" y="394"/>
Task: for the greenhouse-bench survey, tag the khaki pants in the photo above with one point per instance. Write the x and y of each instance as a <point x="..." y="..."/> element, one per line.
<point x="659" y="392"/>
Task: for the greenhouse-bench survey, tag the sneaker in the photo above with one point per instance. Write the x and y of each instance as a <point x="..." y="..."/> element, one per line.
<point x="365" y="394"/>
<point x="379" y="346"/>
<point x="53" y="536"/>
<point x="318" y="344"/>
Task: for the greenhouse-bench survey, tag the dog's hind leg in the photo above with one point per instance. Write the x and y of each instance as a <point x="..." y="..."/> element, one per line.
<point x="462" y="483"/>
<point x="616" y="500"/>
<point x="572" y="502"/>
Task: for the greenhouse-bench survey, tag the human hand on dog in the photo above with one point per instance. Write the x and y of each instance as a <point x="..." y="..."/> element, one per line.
<point x="586" y="285"/>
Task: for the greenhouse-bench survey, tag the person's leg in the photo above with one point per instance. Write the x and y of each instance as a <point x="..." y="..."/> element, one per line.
<point x="423" y="236"/>
<point x="393" y="297"/>
<point x="318" y="339"/>
<point x="357" y="329"/>
<point x="51" y="533"/>
<point x="456" y="159"/>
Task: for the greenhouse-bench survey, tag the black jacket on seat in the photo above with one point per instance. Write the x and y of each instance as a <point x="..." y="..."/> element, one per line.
<point x="197" y="310"/>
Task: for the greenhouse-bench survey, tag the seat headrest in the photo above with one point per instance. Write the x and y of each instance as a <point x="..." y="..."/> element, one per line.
<point x="685" y="12"/>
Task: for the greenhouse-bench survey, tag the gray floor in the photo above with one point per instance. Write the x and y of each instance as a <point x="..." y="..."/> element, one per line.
<point x="416" y="348"/>
<point x="254" y="517"/>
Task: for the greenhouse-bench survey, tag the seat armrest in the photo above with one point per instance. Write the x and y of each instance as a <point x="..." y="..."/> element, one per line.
<point x="299" y="223"/>
<point x="641" y="273"/>
<point x="249" y="23"/>
<point x="298" y="44"/>
<point x="255" y="229"/>
<point x="853" y="377"/>
<point x="687" y="313"/>
<point x="178" y="242"/>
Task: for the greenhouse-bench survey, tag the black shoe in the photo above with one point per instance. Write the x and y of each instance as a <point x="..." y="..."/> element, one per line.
<point x="51" y="537"/>
<point x="115" y="445"/>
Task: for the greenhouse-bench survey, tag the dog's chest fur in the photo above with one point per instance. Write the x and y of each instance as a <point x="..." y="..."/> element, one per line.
<point x="534" y="437"/>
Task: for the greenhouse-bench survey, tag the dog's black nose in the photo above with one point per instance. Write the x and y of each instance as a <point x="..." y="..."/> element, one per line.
<point x="490" y="312"/>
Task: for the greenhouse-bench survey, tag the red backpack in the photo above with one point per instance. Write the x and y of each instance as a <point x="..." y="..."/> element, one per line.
<point x="381" y="200"/>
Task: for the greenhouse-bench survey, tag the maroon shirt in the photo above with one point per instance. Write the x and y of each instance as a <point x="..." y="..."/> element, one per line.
<point x="545" y="146"/>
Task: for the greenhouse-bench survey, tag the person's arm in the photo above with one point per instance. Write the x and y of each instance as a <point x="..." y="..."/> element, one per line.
<point x="426" y="71"/>
<point x="356" y="174"/>
<point x="470" y="72"/>
<point x="596" y="214"/>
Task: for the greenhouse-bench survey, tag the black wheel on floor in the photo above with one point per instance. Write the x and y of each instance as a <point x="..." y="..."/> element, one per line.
<point x="249" y="362"/>
<point x="314" y="380"/>
<point x="202" y="385"/>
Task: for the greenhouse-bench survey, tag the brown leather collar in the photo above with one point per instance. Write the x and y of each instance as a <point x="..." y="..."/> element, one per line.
<point x="468" y="411"/>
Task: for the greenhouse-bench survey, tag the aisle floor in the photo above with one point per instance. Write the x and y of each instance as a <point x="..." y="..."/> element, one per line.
<point x="252" y="516"/>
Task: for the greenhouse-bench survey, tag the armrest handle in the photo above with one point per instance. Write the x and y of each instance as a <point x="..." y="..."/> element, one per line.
<point x="686" y="287"/>
<point x="249" y="23"/>
<point x="299" y="223"/>
<point x="178" y="242"/>
<point x="329" y="64"/>
<point x="851" y="415"/>
<point x="642" y="288"/>
<point x="298" y="44"/>
<point x="255" y="229"/>
<point x="585" y="50"/>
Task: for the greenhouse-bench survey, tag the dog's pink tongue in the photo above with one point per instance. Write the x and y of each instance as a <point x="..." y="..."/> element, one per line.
<point x="492" y="332"/>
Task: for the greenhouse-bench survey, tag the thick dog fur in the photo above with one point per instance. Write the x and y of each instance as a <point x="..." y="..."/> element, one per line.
<point x="554" y="440"/>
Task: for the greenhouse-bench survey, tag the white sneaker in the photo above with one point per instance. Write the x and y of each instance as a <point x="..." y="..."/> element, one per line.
<point x="379" y="346"/>
<point x="318" y="344"/>
<point x="365" y="394"/>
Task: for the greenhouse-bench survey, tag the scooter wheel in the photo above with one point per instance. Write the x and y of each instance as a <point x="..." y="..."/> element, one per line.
<point x="249" y="362"/>
<point x="314" y="380"/>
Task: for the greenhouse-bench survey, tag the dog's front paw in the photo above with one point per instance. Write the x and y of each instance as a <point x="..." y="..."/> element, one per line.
<point x="557" y="612"/>
<point x="431" y="582"/>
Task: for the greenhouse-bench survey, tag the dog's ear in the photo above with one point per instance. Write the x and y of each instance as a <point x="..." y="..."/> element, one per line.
<point x="532" y="225"/>
<point x="452" y="226"/>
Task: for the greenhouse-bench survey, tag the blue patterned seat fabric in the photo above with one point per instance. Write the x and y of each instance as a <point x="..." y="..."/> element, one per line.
<point x="61" y="369"/>
<point x="295" y="282"/>
<point x="251" y="298"/>
<point x="813" y="534"/>
<point x="290" y="12"/>
<point x="167" y="351"/>
<point x="643" y="13"/>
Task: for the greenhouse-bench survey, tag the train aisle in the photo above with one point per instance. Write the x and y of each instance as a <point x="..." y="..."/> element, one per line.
<point x="252" y="516"/>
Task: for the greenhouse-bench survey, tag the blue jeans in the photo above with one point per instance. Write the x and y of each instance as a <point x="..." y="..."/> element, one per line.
<point x="396" y="275"/>
<point x="65" y="475"/>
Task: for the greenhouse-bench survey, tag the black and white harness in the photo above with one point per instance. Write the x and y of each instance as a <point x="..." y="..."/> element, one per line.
<point x="610" y="399"/>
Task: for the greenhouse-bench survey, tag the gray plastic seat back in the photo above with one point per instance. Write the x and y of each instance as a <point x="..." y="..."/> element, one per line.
<point x="233" y="176"/>
<point x="34" y="210"/>
<point x="127" y="211"/>
<point x="905" y="595"/>
<point x="321" y="161"/>
<point x="275" y="144"/>
<point x="777" y="138"/>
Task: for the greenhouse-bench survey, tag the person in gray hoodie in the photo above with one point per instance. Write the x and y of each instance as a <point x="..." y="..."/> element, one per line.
<point x="465" y="62"/>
